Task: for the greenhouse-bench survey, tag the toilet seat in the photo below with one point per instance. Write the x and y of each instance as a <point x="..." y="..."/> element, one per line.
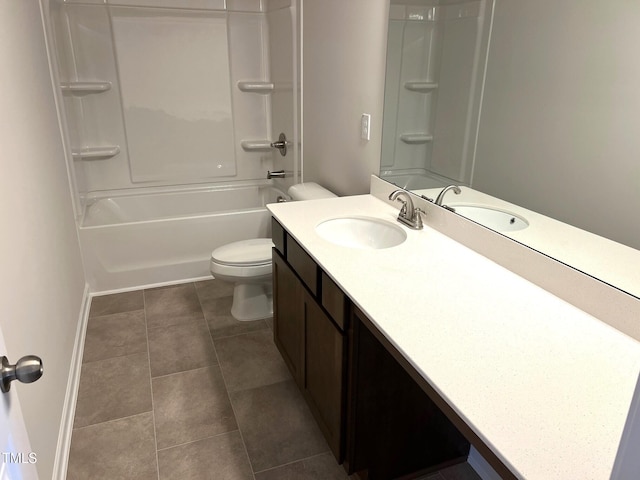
<point x="244" y="253"/>
<point x="243" y="259"/>
<point x="247" y="264"/>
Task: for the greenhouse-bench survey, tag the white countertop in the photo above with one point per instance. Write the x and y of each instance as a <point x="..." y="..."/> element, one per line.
<point x="545" y="385"/>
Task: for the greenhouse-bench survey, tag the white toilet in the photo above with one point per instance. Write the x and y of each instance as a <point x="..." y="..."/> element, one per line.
<point x="247" y="264"/>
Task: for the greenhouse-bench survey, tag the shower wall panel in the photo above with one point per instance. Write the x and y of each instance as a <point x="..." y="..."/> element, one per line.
<point x="411" y="87"/>
<point x="281" y="23"/>
<point x="152" y="95"/>
<point x="462" y="57"/>
<point x="176" y="94"/>
<point x="248" y="42"/>
<point x="94" y="119"/>
<point x="435" y="62"/>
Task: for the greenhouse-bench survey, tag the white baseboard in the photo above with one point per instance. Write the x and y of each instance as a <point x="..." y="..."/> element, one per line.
<point x="69" y="408"/>
<point x="481" y="466"/>
<point x="99" y="293"/>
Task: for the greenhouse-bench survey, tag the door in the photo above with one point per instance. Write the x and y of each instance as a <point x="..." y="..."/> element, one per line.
<point x="17" y="461"/>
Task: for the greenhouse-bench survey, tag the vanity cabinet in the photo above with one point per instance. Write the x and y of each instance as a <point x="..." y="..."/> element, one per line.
<point x="374" y="416"/>
<point x="309" y="331"/>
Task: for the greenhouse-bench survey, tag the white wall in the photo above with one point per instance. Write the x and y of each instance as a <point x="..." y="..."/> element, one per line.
<point x="559" y="124"/>
<point x="344" y="45"/>
<point x="42" y="276"/>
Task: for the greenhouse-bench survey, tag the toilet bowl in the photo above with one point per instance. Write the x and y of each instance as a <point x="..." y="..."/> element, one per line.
<point x="247" y="264"/>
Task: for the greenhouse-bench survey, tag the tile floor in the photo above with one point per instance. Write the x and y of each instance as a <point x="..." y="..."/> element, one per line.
<point x="172" y="387"/>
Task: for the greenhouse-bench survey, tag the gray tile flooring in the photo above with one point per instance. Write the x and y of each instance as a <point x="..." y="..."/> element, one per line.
<point x="173" y="387"/>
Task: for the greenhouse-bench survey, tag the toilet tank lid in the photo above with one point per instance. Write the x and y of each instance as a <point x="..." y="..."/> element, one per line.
<point x="256" y="251"/>
<point x="309" y="191"/>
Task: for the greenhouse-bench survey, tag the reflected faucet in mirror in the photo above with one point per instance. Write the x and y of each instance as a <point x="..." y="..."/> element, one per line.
<point x="440" y="197"/>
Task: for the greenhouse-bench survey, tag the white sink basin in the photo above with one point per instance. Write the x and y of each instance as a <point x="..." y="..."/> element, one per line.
<point x="498" y="220"/>
<point x="361" y="232"/>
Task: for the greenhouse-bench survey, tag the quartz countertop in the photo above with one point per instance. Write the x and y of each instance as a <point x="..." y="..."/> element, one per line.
<point x="545" y="385"/>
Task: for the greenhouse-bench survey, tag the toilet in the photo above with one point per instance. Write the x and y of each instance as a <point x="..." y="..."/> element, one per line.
<point x="247" y="264"/>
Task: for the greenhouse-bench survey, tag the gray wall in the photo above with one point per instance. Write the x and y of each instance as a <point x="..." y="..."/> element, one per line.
<point x="560" y="129"/>
<point x="42" y="276"/>
<point x="344" y="49"/>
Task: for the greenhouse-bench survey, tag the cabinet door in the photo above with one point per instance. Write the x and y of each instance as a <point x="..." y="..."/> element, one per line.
<point x="288" y="316"/>
<point x="324" y="373"/>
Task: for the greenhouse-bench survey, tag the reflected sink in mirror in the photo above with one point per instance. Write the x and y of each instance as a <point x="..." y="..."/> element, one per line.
<point x="361" y="232"/>
<point x="498" y="220"/>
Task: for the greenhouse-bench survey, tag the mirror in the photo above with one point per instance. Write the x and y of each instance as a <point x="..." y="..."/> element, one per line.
<point x="532" y="102"/>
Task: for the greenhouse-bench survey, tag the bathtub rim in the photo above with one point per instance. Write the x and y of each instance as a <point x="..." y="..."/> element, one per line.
<point x="159" y="189"/>
<point x="94" y="197"/>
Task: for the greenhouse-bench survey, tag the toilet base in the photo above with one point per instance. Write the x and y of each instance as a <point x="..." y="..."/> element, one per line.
<point x="252" y="301"/>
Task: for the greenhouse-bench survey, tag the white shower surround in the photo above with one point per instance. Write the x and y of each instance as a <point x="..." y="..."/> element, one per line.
<point x="135" y="241"/>
<point x="152" y="212"/>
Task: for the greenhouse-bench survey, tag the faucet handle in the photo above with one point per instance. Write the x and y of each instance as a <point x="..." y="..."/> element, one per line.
<point x="403" y="210"/>
<point x="417" y="218"/>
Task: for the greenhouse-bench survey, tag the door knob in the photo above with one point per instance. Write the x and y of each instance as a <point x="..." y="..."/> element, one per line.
<point x="28" y="369"/>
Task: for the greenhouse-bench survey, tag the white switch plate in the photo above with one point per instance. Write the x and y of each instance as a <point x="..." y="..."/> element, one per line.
<point x="365" y="126"/>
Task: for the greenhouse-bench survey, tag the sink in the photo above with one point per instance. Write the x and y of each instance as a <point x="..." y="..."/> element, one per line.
<point x="361" y="232"/>
<point x="498" y="220"/>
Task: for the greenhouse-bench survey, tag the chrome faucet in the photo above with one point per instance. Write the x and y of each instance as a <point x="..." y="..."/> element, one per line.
<point x="456" y="190"/>
<point x="408" y="215"/>
<point x="276" y="174"/>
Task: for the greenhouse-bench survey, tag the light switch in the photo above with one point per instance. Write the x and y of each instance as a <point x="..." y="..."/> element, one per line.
<point x="365" y="126"/>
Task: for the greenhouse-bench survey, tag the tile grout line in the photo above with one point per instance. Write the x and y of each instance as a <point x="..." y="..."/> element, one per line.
<point x="113" y="357"/>
<point x="198" y="440"/>
<point x="226" y="388"/>
<point x="276" y="467"/>
<point x="153" y="409"/>
<point x="185" y="371"/>
<point x="97" y="317"/>
<point x="266" y="327"/>
<point x="111" y="420"/>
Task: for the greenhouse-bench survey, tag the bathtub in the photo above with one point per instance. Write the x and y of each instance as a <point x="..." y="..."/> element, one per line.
<point x="142" y="240"/>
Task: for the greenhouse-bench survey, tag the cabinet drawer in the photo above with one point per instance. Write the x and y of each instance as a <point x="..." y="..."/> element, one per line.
<point x="278" y="236"/>
<point x="334" y="302"/>
<point x="303" y="265"/>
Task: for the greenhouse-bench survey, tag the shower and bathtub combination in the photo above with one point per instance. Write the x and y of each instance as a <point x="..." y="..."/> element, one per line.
<point x="168" y="115"/>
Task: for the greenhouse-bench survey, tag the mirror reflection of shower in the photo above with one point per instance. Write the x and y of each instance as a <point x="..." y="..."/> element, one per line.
<point x="436" y="56"/>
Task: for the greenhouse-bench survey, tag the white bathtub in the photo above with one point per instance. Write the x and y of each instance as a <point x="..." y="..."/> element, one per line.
<point x="133" y="241"/>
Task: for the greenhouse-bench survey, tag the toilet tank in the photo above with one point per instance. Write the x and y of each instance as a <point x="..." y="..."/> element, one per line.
<point x="309" y="191"/>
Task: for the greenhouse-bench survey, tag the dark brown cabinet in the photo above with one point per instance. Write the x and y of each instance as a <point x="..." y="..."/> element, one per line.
<point x="374" y="416"/>
<point x="312" y="343"/>
<point x="288" y="313"/>
<point x="324" y="373"/>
